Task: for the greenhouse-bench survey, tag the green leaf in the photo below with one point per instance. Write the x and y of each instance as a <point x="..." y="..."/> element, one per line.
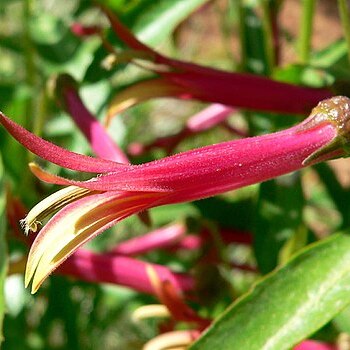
<point x="227" y="212"/>
<point x="158" y="19"/>
<point x="150" y="21"/>
<point x="253" y="41"/>
<point x="3" y="253"/>
<point x="336" y="191"/>
<point x="278" y="219"/>
<point x="333" y="59"/>
<point x="342" y="321"/>
<point x="289" y="304"/>
<point x="303" y="75"/>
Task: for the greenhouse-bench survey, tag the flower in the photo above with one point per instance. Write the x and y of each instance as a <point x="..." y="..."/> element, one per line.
<point x="121" y="270"/>
<point x="213" y="115"/>
<point x="65" y="89"/>
<point x="115" y="266"/>
<point x="87" y="208"/>
<point x="315" y="345"/>
<point x="191" y="81"/>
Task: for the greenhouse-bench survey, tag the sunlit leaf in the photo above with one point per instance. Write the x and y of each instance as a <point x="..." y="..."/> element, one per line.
<point x="289" y="304"/>
<point x="3" y="252"/>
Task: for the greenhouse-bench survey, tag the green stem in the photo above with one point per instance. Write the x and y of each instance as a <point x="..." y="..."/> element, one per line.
<point x="242" y="34"/>
<point x="268" y="35"/>
<point x="345" y="20"/>
<point x="40" y="116"/>
<point x="226" y="30"/>
<point x="28" y="6"/>
<point x="217" y="240"/>
<point x="304" y="44"/>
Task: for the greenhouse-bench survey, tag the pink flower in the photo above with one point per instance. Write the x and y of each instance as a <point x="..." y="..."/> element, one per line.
<point x="191" y="81"/>
<point x="121" y="270"/>
<point x="87" y="208"/>
<point x="209" y="117"/>
<point x="315" y="345"/>
<point x="98" y="138"/>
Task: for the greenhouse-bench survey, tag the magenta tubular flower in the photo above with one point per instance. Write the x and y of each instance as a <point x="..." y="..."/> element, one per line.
<point x="87" y="208"/>
<point x="315" y="345"/>
<point x="83" y="31"/>
<point x="102" y="145"/>
<point x="190" y="81"/>
<point x="121" y="270"/>
<point x="209" y="117"/>
<point x="163" y="237"/>
<point x="57" y="155"/>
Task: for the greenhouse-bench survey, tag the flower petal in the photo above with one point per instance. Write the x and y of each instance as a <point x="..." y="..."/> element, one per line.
<point x="77" y="223"/>
<point x="101" y="143"/>
<point x="124" y="33"/>
<point x="172" y="340"/>
<point x="100" y="183"/>
<point x="232" y="89"/>
<point x="162" y="237"/>
<point x="208" y="117"/>
<point x="51" y="204"/>
<point x="140" y="92"/>
<point x="218" y="168"/>
<point x="236" y="90"/>
<point x="55" y="154"/>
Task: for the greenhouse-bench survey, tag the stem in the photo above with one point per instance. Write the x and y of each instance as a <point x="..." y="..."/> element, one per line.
<point x="305" y="31"/>
<point x="29" y="58"/>
<point x="40" y="116"/>
<point x="28" y="6"/>
<point x="276" y="30"/>
<point x="226" y="32"/>
<point x="344" y="16"/>
<point x="242" y="35"/>
<point x="268" y="35"/>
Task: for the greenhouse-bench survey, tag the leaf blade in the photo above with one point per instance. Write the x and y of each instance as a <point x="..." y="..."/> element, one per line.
<point x="289" y="304"/>
<point x="3" y="254"/>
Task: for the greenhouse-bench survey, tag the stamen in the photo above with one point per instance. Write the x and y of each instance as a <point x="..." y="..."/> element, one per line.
<point x="50" y="205"/>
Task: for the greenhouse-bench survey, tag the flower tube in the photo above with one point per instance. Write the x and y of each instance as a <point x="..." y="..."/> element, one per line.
<point x="187" y="176"/>
<point x="191" y="81"/>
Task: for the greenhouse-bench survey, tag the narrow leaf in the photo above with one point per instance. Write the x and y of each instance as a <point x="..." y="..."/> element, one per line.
<point x="161" y="17"/>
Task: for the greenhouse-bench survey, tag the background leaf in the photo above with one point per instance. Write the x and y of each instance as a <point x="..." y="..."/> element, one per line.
<point x="289" y="304"/>
<point x="3" y="252"/>
<point x="156" y="20"/>
<point x="278" y="219"/>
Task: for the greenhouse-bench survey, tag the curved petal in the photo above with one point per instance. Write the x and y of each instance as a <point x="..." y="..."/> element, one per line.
<point x="77" y="223"/>
<point x="232" y="89"/>
<point x="124" y="33"/>
<point x="224" y="166"/>
<point x="56" y="154"/>
<point x="142" y="91"/>
<point x="209" y="117"/>
<point x="101" y="143"/>
<point x="99" y="183"/>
